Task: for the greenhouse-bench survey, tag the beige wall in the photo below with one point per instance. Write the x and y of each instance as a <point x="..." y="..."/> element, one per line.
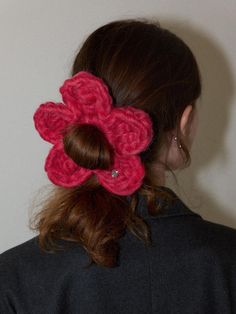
<point x="38" y="42"/>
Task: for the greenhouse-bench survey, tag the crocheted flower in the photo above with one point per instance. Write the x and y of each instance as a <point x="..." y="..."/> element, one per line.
<point x="129" y="130"/>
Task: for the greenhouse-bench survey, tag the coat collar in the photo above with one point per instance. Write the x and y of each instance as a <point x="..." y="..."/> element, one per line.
<point x="176" y="208"/>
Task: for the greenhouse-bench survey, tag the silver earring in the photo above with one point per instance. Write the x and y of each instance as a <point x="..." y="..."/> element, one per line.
<point x="176" y="139"/>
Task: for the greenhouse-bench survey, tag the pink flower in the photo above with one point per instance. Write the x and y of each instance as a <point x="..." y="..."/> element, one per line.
<point x="87" y="100"/>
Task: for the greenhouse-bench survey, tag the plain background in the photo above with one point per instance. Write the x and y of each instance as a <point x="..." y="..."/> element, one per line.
<point x="39" y="40"/>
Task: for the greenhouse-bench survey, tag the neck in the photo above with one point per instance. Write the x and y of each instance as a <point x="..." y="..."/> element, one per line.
<point x="158" y="172"/>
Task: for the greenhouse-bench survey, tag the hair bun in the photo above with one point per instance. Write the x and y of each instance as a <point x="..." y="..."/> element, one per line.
<point x="88" y="147"/>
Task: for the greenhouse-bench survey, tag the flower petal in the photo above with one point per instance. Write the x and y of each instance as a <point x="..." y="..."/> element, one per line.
<point x="131" y="172"/>
<point x="87" y="95"/>
<point x="50" y="119"/>
<point x="62" y="170"/>
<point x="129" y="130"/>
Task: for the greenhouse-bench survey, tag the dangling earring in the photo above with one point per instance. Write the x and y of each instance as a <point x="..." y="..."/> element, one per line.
<point x="176" y="139"/>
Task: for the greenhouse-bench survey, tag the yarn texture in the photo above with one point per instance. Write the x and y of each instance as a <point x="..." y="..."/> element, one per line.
<point x="86" y="100"/>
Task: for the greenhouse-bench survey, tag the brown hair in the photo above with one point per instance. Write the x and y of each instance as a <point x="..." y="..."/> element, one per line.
<point x="143" y="65"/>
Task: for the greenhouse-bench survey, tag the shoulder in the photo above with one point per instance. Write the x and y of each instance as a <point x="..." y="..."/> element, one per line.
<point x="13" y="260"/>
<point x="12" y="266"/>
<point x="211" y="251"/>
<point x="30" y="251"/>
<point x="220" y="239"/>
<point x="16" y="253"/>
<point x="27" y="257"/>
<point x="185" y="232"/>
<point x="213" y="243"/>
<point x="218" y="236"/>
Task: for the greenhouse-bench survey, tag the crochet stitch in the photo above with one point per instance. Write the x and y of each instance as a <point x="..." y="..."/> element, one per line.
<point x="87" y="101"/>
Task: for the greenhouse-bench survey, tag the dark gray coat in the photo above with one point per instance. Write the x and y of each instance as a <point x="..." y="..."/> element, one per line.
<point x="190" y="269"/>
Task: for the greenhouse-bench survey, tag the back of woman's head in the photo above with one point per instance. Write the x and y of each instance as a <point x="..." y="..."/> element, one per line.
<point x="150" y="68"/>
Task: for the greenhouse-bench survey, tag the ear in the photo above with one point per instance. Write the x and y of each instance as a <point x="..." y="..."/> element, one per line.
<point x="186" y="119"/>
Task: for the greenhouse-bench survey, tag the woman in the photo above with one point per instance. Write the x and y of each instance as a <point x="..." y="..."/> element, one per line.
<point x="112" y="237"/>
